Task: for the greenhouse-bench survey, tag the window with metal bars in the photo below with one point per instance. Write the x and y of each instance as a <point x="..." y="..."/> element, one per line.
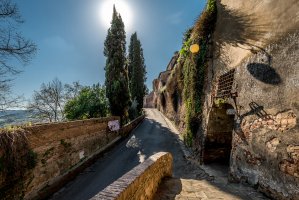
<point x="225" y="84"/>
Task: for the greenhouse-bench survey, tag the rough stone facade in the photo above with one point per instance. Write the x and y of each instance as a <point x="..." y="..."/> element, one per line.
<point x="264" y="94"/>
<point x="140" y="183"/>
<point x="264" y="144"/>
<point x="149" y="100"/>
<point x="253" y="126"/>
<point x="167" y="93"/>
<point x="62" y="150"/>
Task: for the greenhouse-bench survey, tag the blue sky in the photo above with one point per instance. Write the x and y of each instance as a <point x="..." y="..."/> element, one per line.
<point x="70" y="36"/>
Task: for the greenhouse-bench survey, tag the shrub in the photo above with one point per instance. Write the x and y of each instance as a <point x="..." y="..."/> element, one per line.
<point x="16" y="159"/>
<point x="90" y="103"/>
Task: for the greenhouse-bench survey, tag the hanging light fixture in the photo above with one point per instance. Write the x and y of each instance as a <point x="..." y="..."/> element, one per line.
<point x="194" y="48"/>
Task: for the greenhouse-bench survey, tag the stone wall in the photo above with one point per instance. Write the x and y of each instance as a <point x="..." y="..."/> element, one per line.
<point x="63" y="150"/>
<point x="141" y="182"/>
<point x="167" y="92"/>
<point x="149" y="100"/>
<point x="259" y="39"/>
<point x="265" y="145"/>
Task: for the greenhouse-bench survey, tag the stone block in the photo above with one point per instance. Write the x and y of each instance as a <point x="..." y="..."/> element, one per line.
<point x="292" y="120"/>
<point x="272" y="144"/>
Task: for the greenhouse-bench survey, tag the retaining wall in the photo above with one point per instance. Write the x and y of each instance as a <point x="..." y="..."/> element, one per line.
<point x="62" y="150"/>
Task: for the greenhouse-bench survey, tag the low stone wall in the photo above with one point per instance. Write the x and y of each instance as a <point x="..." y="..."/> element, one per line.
<point x="141" y="182"/>
<point x="62" y="150"/>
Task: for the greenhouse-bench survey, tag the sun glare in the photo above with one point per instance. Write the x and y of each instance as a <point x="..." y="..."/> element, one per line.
<point x="121" y="6"/>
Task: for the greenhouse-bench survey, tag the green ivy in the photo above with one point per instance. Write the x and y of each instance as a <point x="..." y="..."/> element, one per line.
<point x="184" y="52"/>
<point x="219" y="102"/>
<point x="211" y="6"/>
<point x="194" y="69"/>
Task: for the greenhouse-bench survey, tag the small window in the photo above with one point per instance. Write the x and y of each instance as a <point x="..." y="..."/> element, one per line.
<point x="225" y="84"/>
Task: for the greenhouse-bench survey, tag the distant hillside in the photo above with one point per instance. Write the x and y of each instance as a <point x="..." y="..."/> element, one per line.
<point x="12" y="117"/>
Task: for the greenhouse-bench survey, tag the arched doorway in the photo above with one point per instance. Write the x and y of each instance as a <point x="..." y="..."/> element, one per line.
<point x="218" y="141"/>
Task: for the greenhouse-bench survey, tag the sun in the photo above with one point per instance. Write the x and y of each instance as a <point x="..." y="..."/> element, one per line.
<point x="121" y="6"/>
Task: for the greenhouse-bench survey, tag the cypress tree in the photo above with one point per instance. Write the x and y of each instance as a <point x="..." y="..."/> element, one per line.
<point x="116" y="76"/>
<point x="136" y="71"/>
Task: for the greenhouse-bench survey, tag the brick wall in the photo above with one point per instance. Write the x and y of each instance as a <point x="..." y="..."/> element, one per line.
<point x="141" y="182"/>
<point x="63" y="150"/>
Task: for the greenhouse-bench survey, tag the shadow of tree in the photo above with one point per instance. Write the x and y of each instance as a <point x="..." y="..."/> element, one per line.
<point x="240" y="29"/>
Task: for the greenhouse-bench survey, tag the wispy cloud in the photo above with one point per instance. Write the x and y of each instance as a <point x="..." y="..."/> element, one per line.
<point x="175" y="18"/>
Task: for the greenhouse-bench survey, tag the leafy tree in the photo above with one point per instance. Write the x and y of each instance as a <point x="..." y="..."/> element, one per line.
<point x="48" y="102"/>
<point x="14" y="50"/>
<point x="136" y="72"/>
<point x="91" y="102"/>
<point x="116" y="83"/>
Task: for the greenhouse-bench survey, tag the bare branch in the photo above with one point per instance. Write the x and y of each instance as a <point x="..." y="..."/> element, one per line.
<point x="49" y="101"/>
<point x="9" y="10"/>
<point x="14" y="49"/>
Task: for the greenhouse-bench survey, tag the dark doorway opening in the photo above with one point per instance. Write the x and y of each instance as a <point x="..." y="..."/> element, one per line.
<point x="175" y="100"/>
<point x="163" y="101"/>
<point x="218" y="143"/>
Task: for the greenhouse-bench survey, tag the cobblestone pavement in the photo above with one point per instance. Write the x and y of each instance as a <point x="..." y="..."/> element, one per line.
<point x="204" y="187"/>
<point x="191" y="181"/>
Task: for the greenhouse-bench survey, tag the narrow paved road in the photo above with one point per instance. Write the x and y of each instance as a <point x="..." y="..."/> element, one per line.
<point x="154" y="135"/>
<point x="150" y="137"/>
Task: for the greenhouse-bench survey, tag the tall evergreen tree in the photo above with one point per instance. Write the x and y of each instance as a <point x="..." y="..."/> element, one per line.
<point x="117" y="90"/>
<point x="136" y="71"/>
